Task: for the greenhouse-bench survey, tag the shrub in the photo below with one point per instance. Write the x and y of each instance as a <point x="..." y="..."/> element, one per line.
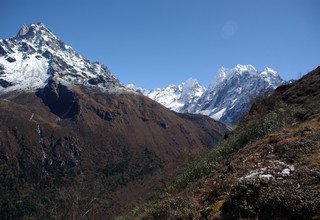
<point x="271" y="199"/>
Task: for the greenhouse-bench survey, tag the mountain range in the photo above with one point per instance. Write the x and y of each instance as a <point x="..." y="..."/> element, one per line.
<point x="75" y="142"/>
<point x="227" y="98"/>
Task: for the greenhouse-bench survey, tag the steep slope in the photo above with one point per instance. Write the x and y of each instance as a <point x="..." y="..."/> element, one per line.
<point x="74" y="143"/>
<point x="267" y="168"/>
<point x="227" y="99"/>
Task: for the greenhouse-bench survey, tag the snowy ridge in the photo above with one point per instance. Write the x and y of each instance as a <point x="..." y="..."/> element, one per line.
<point x="175" y="97"/>
<point x="35" y="55"/>
<point x="137" y="89"/>
<point x="168" y="96"/>
<point x="227" y="98"/>
<point x="225" y="73"/>
<point x="231" y="94"/>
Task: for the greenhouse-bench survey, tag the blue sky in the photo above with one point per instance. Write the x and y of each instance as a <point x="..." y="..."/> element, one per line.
<point x="153" y="43"/>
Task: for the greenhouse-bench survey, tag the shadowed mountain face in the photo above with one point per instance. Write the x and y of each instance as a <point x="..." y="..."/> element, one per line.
<point x="74" y="143"/>
<point x="60" y="100"/>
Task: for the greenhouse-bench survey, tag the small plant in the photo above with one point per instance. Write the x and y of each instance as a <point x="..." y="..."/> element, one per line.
<point x="217" y="206"/>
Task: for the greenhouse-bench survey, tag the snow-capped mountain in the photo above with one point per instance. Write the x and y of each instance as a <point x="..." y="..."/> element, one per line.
<point x="232" y="91"/>
<point x="137" y="89"/>
<point x="175" y="97"/>
<point x="65" y="118"/>
<point x="35" y="56"/>
<point x="227" y="98"/>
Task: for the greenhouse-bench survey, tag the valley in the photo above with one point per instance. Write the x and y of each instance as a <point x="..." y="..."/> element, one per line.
<point x="76" y="143"/>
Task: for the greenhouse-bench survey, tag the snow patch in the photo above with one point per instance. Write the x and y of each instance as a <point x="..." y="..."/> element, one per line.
<point x="25" y="74"/>
<point x="218" y="115"/>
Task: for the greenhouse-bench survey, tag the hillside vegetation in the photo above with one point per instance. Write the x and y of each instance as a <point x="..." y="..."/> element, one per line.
<point x="267" y="168"/>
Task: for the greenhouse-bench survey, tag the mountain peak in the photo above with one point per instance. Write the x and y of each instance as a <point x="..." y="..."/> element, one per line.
<point x="226" y="73"/>
<point x="270" y="70"/>
<point x="242" y="68"/>
<point x="35" y="30"/>
<point x="191" y="82"/>
<point x="29" y="60"/>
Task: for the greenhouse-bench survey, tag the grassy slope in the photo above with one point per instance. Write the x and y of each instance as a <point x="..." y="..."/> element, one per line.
<point x="279" y="137"/>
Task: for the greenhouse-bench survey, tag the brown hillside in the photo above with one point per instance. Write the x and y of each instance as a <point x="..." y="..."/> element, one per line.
<point x="84" y="153"/>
